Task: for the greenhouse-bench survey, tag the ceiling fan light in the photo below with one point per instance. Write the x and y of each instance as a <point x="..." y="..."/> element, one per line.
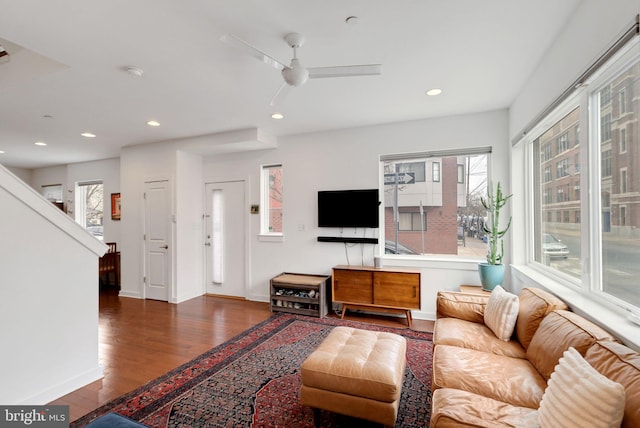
<point x="295" y="75"/>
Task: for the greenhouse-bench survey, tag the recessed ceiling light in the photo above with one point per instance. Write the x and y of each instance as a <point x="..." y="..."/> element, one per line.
<point x="88" y="135"/>
<point x="153" y="123"/>
<point x="277" y="116"/>
<point x="352" y="20"/>
<point x="1" y="152"/>
<point x="433" y="92"/>
<point x="134" y="71"/>
<point x="40" y="143"/>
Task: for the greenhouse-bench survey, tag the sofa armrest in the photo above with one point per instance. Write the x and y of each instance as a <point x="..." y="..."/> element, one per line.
<point x="465" y="306"/>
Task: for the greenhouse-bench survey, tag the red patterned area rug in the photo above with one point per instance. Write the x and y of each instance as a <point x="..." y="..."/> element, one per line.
<point x="253" y="380"/>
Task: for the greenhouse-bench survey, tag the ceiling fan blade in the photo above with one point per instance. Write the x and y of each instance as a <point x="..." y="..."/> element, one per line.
<point x="345" y="71"/>
<point x="251" y="50"/>
<point x="280" y="94"/>
<point x="4" y="55"/>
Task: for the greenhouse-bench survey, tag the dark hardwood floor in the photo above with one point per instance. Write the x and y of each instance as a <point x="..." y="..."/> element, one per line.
<point x="143" y="339"/>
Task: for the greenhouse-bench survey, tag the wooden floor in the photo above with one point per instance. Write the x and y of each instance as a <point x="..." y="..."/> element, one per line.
<point x="143" y="339"/>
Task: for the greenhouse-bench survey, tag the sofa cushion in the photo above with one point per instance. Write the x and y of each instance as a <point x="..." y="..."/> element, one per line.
<point x="535" y="304"/>
<point x="557" y="332"/>
<point x="501" y="313"/>
<point x="465" y="306"/>
<point x="579" y="396"/>
<point x="471" y="335"/>
<point x="456" y="408"/>
<point x="622" y="365"/>
<point x="511" y="380"/>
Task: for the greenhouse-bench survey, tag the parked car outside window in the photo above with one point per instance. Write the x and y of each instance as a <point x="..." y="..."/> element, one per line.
<point x="553" y="247"/>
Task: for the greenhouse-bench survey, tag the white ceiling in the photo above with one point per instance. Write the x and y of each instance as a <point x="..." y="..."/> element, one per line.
<point x="68" y="59"/>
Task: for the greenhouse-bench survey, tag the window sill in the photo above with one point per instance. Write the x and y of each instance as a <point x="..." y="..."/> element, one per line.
<point x="612" y="319"/>
<point x="432" y="261"/>
<point x="271" y="237"/>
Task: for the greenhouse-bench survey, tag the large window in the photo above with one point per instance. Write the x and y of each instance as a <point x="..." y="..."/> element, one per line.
<point x="438" y="212"/>
<point x="588" y="233"/>
<point x="271" y="184"/>
<point x="89" y="207"/>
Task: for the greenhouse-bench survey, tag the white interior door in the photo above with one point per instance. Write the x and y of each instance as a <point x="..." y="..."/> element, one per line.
<point x="157" y="240"/>
<point x="225" y="238"/>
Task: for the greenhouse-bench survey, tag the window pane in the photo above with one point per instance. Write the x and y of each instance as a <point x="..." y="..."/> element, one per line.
<point x="620" y="186"/>
<point x="89" y="208"/>
<point x="417" y="168"/>
<point x="435" y="170"/>
<point x="423" y="217"/>
<point x="557" y="198"/>
<point x="272" y="188"/>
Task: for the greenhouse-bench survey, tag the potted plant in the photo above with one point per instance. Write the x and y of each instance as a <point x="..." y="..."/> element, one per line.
<point x="492" y="272"/>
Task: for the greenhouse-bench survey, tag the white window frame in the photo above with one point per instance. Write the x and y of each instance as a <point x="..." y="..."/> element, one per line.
<point x="265" y="234"/>
<point x="428" y="260"/>
<point x="589" y="285"/>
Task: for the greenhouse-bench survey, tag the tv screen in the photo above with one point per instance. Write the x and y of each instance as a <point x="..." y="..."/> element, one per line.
<point x="348" y="208"/>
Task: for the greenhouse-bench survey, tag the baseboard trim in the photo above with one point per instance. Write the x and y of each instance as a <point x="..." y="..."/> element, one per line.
<point x="131" y="294"/>
<point x="65" y="388"/>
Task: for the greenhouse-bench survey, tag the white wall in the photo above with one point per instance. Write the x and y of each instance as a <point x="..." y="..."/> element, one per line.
<point x="180" y="163"/>
<point x="48" y="298"/>
<point x="189" y="227"/>
<point x="349" y="159"/>
<point x="593" y="28"/>
<point x="138" y="164"/>
<point x="22" y="173"/>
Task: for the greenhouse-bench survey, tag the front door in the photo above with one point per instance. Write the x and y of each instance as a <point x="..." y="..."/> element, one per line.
<point x="157" y="239"/>
<point x="225" y="238"/>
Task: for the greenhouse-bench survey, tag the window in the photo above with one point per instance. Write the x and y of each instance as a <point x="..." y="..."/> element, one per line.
<point x="554" y="227"/>
<point x="90" y="207"/>
<point x="563" y="142"/>
<point x="605" y="96"/>
<point x="427" y="217"/>
<point x="623" y="180"/>
<point x="622" y="96"/>
<point x="588" y="236"/>
<point x="562" y="168"/>
<point x="271" y="184"/>
<point x="605" y="127"/>
<point x="435" y="171"/>
<point x="606" y="163"/>
<point x="412" y="221"/>
<point x="623" y="141"/>
<point x="417" y="168"/>
<point x="546" y="152"/>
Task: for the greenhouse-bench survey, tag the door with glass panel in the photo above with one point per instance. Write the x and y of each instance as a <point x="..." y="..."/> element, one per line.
<point x="225" y="238"/>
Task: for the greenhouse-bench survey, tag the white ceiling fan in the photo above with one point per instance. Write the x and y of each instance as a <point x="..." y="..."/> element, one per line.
<point x="295" y="74"/>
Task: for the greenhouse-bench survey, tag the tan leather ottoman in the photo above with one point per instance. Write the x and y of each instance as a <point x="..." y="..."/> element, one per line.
<point x="357" y="373"/>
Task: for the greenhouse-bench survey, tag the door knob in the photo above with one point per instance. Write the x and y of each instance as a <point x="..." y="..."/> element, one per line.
<point x="166" y="247"/>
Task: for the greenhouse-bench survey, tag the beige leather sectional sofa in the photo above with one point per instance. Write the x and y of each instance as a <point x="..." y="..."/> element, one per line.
<point x="482" y="381"/>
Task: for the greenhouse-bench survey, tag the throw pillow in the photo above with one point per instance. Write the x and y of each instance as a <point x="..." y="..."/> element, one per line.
<point x="501" y="313"/>
<point x="577" y="395"/>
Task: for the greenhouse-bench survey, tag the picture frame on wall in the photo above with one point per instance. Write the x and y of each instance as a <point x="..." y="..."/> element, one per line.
<point x="115" y="206"/>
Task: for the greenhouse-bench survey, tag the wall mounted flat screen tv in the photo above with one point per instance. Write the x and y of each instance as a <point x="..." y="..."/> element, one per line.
<point x="348" y="208"/>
